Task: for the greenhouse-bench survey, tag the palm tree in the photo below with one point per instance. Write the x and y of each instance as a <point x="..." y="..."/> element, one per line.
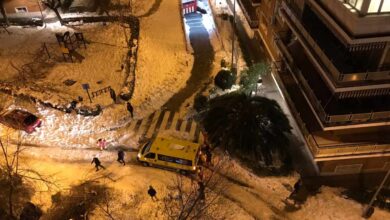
<point x="248" y="127"/>
<point x="3" y="13"/>
<point x="54" y="5"/>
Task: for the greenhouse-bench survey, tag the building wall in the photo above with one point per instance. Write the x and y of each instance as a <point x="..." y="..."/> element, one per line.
<point x="31" y="5"/>
<point x="354" y="167"/>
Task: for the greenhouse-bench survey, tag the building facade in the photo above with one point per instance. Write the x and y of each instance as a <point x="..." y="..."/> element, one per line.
<point x="22" y="7"/>
<point x="332" y="61"/>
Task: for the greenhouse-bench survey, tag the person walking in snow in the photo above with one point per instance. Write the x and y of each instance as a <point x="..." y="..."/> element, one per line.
<point x="130" y="109"/>
<point x="97" y="163"/>
<point x="152" y="193"/>
<point x="201" y="189"/>
<point x="102" y="143"/>
<point x="207" y="151"/>
<point x="121" y="157"/>
<point x="294" y="194"/>
<point x="113" y="95"/>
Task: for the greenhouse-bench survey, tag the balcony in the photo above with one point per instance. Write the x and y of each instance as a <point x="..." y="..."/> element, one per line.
<point x="329" y="110"/>
<point x="345" y="147"/>
<point x="321" y="50"/>
<point x="249" y="10"/>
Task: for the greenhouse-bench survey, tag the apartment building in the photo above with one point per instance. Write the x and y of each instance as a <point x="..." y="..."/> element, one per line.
<point x="22" y="7"/>
<point x="332" y="61"/>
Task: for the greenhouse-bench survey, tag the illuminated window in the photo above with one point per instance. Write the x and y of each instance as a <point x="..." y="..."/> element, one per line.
<point x="374" y="6"/>
<point x="21" y="9"/>
<point x="359" y="4"/>
<point x="354" y="4"/>
<point x="385" y="6"/>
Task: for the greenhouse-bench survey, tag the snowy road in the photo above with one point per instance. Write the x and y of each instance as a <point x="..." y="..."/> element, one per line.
<point x="203" y="59"/>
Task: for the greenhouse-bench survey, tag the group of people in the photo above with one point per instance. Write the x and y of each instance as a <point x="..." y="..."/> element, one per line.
<point x="121" y="154"/>
<point x="206" y="159"/>
<point x="129" y="107"/>
<point x="98" y="164"/>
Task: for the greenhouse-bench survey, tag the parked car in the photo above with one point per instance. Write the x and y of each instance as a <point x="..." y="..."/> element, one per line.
<point x="179" y="155"/>
<point x="20" y="120"/>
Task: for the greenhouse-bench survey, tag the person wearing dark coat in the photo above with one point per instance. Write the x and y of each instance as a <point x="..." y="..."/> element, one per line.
<point x="152" y="193"/>
<point x="207" y="151"/>
<point x="130" y="109"/>
<point x="113" y="95"/>
<point x="121" y="157"/>
<point x="201" y="189"/>
<point x="97" y="163"/>
<point x="294" y="194"/>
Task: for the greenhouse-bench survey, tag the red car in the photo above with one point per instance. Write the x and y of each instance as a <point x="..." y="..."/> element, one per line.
<point x="20" y="120"/>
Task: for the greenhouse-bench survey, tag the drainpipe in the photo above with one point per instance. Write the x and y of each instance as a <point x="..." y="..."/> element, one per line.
<point x="233" y="35"/>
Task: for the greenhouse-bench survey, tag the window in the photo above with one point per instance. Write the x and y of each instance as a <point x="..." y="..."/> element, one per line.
<point x="385" y="6"/>
<point x="175" y="160"/>
<point x="21" y="10"/>
<point x="374" y="6"/>
<point x="147" y="147"/>
<point x="150" y="155"/>
<point x="379" y="6"/>
<point x="359" y="4"/>
<point x="356" y="4"/>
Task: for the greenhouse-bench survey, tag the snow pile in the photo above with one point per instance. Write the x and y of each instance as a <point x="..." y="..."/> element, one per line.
<point x="330" y="205"/>
<point x="163" y="65"/>
<point x="76" y="131"/>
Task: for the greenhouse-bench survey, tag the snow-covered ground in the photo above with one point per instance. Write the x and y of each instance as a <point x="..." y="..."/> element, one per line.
<point x="65" y="143"/>
<point x="162" y="69"/>
<point x="222" y="41"/>
<point x="106" y="51"/>
<point x="244" y="195"/>
<point x="163" y="65"/>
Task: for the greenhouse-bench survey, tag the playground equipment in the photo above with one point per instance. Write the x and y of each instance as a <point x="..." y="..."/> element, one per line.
<point x="68" y="44"/>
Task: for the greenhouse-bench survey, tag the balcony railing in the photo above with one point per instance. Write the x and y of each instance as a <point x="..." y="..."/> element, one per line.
<point x="363" y="117"/>
<point x="249" y="12"/>
<point x="327" y="119"/>
<point x="334" y="150"/>
<point x="352" y="149"/>
<point x="380" y="75"/>
<point x="300" y="31"/>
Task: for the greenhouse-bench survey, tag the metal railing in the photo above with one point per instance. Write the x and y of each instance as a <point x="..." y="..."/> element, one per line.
<point x="314" y="101"/>
<point x="351" y="149"/>
<point x="342" y="149"/>
<point x="362" y="117"/>
<point x="337" y="75"/>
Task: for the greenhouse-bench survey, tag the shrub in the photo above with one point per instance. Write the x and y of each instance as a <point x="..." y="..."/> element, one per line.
<point x="225" y="79"/>
<point x="250" y="76"/>
<point x="200" y="102"/>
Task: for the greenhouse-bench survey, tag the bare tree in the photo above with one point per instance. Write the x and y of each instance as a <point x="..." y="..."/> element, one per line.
<point x="91" y="195"/>
<point x="54" y="5"/>
<point x="16" y="180"/>
<point x="195" y="199"/>
<point x="2" y="10"/>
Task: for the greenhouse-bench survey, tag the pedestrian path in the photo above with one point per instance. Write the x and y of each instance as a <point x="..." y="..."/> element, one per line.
<point x="164" y="120"/>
